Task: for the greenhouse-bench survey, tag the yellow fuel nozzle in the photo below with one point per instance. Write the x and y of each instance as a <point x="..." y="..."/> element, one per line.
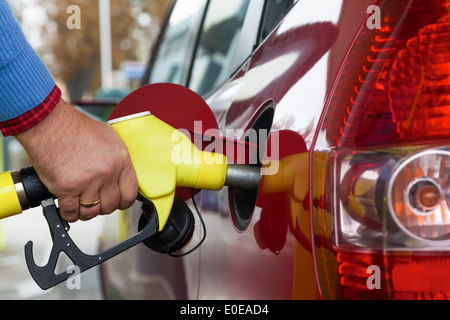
<point x="164" y="159"/>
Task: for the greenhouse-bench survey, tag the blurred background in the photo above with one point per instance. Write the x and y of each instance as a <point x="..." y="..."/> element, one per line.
<point x="88" y="64"/>
<point x="73" y="55"/>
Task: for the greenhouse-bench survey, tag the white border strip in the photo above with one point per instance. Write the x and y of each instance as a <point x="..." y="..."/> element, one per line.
<point x="131" y="116"/>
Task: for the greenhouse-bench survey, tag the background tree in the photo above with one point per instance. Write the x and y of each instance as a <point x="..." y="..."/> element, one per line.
<point x="73" y="55"/>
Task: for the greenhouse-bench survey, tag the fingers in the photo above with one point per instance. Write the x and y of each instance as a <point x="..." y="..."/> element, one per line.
<point x="100" y="198"/>
<point x="90" y="207"/>
<point x="69" y="207"/>
<point x="128" y="188"/>
<point x="120" y="194"/>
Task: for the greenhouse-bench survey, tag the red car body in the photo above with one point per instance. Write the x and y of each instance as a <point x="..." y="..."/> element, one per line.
<point x="349" y="105"/>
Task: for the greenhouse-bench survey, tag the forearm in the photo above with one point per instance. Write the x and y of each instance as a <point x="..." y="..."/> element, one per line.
<point x="49" y="133"/>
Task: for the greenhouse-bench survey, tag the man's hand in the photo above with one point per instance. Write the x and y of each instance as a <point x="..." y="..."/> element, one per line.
<point x="81" y="159"/>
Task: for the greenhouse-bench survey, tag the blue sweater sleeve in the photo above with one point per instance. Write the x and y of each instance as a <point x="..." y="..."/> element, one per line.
<point x="25" y="81"/>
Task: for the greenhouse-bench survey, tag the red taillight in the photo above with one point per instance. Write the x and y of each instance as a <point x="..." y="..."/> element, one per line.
<point x="396" y="84"/>
<point x="403" y="275"/>
<point x="419" y="86"/>
<point x="381" y="163"/>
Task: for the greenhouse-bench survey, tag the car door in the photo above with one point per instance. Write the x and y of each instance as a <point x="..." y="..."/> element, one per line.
<point x="233" y="216"/>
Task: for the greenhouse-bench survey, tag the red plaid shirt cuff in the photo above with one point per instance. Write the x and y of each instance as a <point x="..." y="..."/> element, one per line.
<point x="33" y="117"/>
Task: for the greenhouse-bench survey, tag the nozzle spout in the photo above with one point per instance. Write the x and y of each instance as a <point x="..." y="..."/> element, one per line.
<point x="243" y="176"/>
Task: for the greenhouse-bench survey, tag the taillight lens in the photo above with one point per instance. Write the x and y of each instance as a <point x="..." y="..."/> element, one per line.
<point x="396" y="85"/>
<point x="381" y="162"/>
<point x="416" y="196"/>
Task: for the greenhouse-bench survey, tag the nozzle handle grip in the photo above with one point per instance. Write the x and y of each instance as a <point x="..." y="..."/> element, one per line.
<point x="35" y="190"/>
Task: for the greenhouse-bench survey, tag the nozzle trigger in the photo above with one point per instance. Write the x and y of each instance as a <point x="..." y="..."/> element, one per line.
<point x="45" y="275"/>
